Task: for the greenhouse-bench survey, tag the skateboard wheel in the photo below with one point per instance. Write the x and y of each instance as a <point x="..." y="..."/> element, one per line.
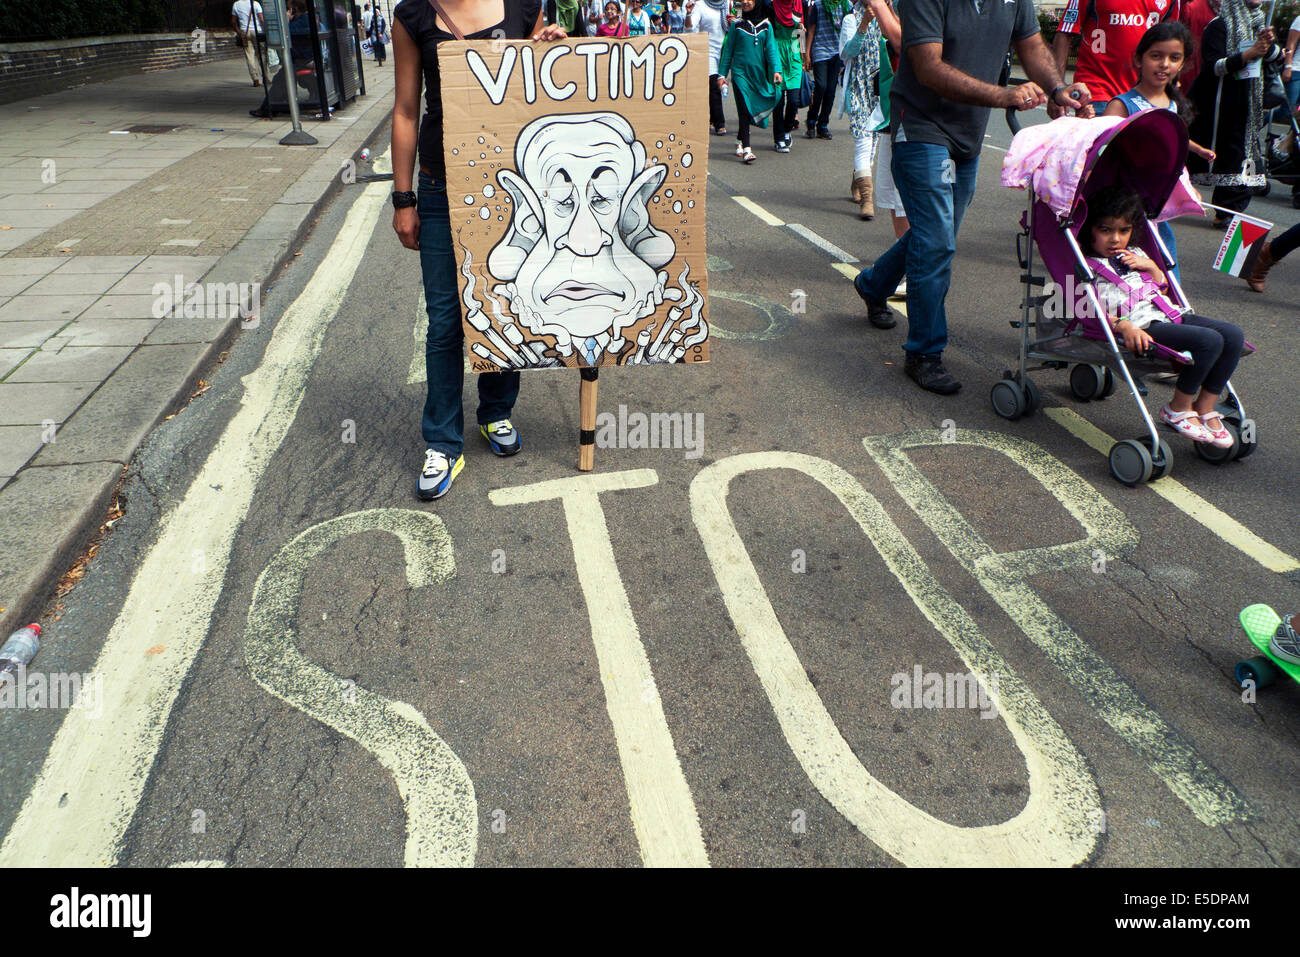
<point x="1259" y="669"/>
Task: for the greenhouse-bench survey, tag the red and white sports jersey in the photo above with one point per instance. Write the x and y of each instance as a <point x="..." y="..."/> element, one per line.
<point x="1109" y="31"/>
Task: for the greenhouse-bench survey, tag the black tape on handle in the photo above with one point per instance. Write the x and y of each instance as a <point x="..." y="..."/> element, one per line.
<point x="589" y="374"/>
<point x="586" y="436"/>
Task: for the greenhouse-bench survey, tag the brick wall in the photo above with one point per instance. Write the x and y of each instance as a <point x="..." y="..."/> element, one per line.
<point x="34" y="69"/>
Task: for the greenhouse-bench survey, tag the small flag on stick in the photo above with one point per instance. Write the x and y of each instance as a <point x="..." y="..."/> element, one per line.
<point x="1241" y="245"/>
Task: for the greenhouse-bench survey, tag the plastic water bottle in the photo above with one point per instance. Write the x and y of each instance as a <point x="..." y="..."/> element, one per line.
<point x="20" y="648"/>
<point x="726" y="90"/>
<point x="365" y="155"/>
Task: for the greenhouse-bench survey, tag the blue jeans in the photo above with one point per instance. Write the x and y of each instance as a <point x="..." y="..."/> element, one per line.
<point x="935" y="189"/>
<point x="443" y="425"/>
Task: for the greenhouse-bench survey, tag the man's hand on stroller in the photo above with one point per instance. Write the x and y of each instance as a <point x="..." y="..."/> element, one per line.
<point x="1026" y="96"/>
<point x="1136" y="340"/>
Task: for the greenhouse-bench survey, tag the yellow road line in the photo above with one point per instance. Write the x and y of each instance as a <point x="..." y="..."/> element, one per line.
<point x="758" y="211"/>
<point x="1183" y="498"/>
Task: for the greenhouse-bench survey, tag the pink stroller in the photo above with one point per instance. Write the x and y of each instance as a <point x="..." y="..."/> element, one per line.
<point x="1062" y="164"/>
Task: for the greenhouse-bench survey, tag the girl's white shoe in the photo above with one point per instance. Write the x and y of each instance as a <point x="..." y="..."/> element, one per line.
<point x="748" y="156"/>
<point x="1178" y="421"/>
<point x="1222" y="437"/>
<point x="740" y="150"/>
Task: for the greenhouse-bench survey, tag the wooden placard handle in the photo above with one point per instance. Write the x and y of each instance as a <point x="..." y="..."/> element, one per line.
<point x="587" y="419"/>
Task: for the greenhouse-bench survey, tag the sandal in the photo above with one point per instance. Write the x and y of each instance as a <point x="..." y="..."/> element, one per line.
<point x="1178" y="422"/>
<point x="749" y="156"/>
<point x="1222" y="437"/>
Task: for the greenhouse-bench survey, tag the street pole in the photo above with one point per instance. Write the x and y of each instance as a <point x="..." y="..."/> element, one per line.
<point x="322" y="93"/>
<point x="297" y="136"/>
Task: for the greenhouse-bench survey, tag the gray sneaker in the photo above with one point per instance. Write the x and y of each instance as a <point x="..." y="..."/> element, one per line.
<point x="437" y="475"/>
<point x="1285" y="643"/>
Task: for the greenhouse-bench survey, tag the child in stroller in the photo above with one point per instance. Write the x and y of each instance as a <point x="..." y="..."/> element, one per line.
<point x="1131" y="287"/>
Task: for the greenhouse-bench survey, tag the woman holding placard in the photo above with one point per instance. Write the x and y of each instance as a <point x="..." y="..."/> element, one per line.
<point x="423" y="222"/>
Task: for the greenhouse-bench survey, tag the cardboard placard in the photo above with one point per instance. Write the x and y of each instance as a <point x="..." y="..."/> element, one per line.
<point x="575" y="177"/>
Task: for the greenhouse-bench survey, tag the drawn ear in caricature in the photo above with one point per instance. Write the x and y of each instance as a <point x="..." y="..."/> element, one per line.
<point x="651" y="245"/>
<point x="527" y="227"/>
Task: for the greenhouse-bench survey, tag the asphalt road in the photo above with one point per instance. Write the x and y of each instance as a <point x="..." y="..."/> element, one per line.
<point x="553" y="677"/>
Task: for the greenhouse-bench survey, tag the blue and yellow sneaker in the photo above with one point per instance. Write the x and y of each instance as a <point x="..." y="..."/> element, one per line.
<point x="502" y="437"/>
<point x="437" y="475"/>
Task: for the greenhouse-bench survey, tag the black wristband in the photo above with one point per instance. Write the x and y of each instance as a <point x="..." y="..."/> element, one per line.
<point x="1052" y="96"/>
<point x="403" y="199"/>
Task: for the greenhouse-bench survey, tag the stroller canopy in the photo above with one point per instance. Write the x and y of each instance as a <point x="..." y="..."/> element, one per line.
<point x="1067" y="159"/>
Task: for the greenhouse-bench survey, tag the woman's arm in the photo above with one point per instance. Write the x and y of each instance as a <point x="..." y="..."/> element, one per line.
<point x="889" y="23"/>
<point x="406" y="115"/>
<point x="1116" y="107"/>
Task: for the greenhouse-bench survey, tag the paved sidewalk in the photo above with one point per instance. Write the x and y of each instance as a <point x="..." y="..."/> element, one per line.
<point x="96" y="217"/>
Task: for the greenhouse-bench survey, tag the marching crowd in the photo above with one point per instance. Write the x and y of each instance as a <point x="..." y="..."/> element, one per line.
<point x="917" y="82"/>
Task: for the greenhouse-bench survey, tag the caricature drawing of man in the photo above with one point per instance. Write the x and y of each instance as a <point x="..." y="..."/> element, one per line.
<point x="581" y="256"/>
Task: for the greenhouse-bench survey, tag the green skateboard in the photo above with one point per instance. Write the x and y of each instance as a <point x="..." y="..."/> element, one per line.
<point x="1260" y="622"/>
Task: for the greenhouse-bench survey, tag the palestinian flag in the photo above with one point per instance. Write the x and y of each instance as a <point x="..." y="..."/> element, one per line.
<point x="1241" y="245"/>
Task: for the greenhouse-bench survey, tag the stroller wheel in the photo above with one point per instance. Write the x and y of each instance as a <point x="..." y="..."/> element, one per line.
<point x="1247" y="439"/>
<point x="1162" y="458"/>
<point x="1217" y="456"/>
<point x="1108" y="387"/>
<point x="1008" y="399"/>
<point x="1087" y="382"/>
<point x="1033" y="398"/>
<point x="1130" y="462"/>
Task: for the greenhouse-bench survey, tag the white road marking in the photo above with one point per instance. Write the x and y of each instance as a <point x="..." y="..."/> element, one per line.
<point x="436" y="790"/>
<point x="758" y="211"/>
<point x="823" y="244"/>
<point x="1005" y="576"/>
<point x="663" y="812"/>
<point x="1183" y="498"/>
<point x="96" y="770"/>
<point x="1058" y="825"/>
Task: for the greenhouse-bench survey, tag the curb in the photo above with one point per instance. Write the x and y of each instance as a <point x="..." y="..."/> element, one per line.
<point x="259" y="256"/>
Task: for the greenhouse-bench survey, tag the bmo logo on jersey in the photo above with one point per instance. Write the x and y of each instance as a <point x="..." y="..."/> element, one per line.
<point x="1135" y="19"/>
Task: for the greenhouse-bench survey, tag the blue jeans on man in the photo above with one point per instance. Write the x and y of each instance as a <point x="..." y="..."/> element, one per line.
<point x="935" y="189"/>
<point x="443" y="423"/>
